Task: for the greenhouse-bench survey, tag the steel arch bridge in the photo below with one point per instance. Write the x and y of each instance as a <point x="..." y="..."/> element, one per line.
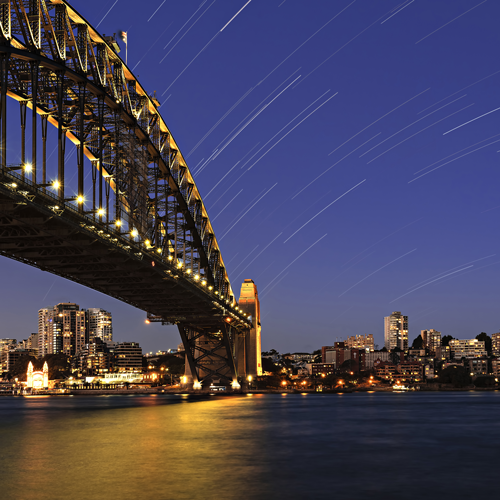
<point x="126" y="218"/>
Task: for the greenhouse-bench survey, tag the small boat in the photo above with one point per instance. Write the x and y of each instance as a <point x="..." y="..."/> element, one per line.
<point x="400" y="388"/>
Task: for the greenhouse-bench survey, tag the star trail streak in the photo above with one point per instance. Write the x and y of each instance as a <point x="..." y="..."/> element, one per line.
<point x="328" y="206"/>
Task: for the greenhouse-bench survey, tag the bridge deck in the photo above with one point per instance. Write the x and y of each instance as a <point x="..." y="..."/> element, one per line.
<point x="37" y="230"/>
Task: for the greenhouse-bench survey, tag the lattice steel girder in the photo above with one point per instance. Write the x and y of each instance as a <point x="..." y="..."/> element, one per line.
<point x="56" y="64"/>
<point x="209" y="353"/>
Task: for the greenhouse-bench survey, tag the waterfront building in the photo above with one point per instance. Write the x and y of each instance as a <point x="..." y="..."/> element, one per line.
<point x="9" y="358"/>
<point x="372" y="357"/>
<point x="366" y="342"/>
<point x="95" y="358"/>
<point x="468" y="348"/>
<point x="131" y="377"/>
<point x="5" y="346"/>
<point x="37" y="380"/>
<point x="127" y="356"/>
<point x="385" y="370"/>
<point x="99" y="324"/>
<point x="339" y="355"/>
<point x="495" y="344"/>
<point x="410" y="372"/>
<point x="61" y="329"/>
<point x="429" y="371"/>
<point x="44" y="330"/>
<point x="432" y="339"/>
<point x="495" y="365"/>
<point x="66" y="329"/>
<point x="322" y="369"/>
<point x="478" y="366"/>
<point x="396" y="331"/>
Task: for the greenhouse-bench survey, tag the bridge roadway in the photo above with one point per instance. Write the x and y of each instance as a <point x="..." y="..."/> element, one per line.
<point x="36" y="229"/>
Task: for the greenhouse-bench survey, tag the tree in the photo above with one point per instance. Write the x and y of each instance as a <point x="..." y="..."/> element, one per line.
<point x="445" y="341"/>
<point x="21" y="367"/>
<point x="272" y="352"/>
<point x="330" y="380"/>
<point x="418" y="343"/>
<point x="59" y="365"/>
<point x="346" y="365"/>
<point x="487" y="341"/>
<point x="269" y="366"/>
<point x="485" y="381"/>
<point x="384" y="349"/>
<point x="456" y="375"/>
<point x="171" y="364"/>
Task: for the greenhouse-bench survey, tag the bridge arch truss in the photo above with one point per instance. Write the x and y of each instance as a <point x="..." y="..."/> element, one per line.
<point x="130" y="183"/>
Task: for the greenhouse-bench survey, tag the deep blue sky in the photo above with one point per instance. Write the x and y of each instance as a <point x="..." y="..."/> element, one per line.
<point x="393" y="233"/>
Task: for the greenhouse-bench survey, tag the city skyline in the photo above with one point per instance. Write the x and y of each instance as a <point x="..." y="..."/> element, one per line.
<point x="401" y="214"/>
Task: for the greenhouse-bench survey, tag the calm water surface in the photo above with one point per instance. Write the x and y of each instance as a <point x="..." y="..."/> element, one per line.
<point x="391" y="446"/>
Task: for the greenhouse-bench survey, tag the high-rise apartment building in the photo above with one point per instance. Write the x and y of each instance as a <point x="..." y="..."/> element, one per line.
<point x="396" y="331"/>
<point x="432" y="339"/>
<point x="495" y="344"/>
<point x="44" y="331"/>
<point x="61" y="329"/>
<point x="99" y="325"/>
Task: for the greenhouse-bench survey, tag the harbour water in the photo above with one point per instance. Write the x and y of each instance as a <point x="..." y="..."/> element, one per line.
<point x="338" y="446"/>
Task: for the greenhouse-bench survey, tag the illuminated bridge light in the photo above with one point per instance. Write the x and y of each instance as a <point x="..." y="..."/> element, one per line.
<point x="28" y="167"/>
<point x="80" y="199"/>
<point x="134" y="233"/>
<point x="56" y="185"/>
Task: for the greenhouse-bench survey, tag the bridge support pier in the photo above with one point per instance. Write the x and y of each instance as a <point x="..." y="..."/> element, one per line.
<point x="210" y="357"/>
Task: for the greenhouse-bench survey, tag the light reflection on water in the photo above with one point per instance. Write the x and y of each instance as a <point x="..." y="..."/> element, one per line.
<point x="391" y="446"/>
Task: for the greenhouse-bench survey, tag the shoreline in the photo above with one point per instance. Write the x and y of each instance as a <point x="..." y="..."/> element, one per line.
<point x="191" y="392"/>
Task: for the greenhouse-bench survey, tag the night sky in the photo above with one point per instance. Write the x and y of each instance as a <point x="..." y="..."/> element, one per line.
<point x="347" y="153"/>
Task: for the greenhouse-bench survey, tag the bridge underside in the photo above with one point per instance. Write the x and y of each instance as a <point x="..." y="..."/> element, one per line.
<point x="126" y="218"/>
<point x="35" y="230"/>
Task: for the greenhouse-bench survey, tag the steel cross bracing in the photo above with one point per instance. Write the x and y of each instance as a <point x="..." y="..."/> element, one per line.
<point x="137" y="228"/>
